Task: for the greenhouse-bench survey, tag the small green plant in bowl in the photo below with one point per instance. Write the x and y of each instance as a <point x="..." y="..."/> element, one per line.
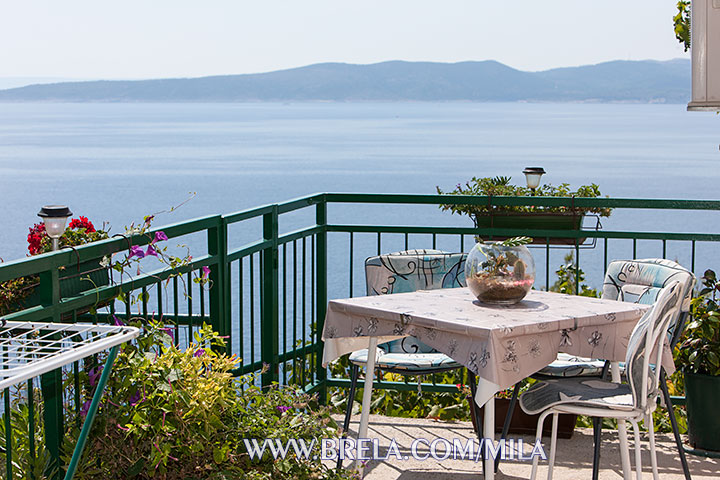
<point x="500" y="272"/>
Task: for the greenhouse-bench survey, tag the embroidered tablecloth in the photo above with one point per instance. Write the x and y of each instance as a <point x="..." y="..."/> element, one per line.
<point x="501" y="344"/>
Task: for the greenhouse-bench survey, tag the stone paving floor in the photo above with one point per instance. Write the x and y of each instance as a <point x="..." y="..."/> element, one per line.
<point x="573" y="459"/>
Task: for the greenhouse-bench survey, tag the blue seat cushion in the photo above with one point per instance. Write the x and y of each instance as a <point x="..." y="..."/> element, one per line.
<point x="588" y="392"/>
<point x="572" y="366"/>
<point x="405" y="361"/>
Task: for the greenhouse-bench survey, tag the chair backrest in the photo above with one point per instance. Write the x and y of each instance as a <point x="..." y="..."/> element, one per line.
<point x="640" y="281"/>
<point x="412" y="270"/>
<point x="647" y="340"/>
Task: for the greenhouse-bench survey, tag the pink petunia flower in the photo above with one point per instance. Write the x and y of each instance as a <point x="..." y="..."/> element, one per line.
<point x="159" y="237"/>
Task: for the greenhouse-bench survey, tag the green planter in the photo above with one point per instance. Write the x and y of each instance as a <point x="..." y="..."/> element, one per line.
<point x="562" y="222"/>
<point x="73" y="281"/>
<point x="701" y="394"/>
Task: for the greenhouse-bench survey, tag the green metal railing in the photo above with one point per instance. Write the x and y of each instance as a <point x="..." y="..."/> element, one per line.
<point x="269" y="294"/>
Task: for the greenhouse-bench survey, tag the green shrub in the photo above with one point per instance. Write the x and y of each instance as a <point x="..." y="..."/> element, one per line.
<point x="180" y="414"/>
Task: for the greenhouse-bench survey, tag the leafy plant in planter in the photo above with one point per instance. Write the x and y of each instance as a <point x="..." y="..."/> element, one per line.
<point x="20" y="292"/>
<point x="79" y="232"/>
<point x="524" y="216"/>
<point x="699" y="357"/>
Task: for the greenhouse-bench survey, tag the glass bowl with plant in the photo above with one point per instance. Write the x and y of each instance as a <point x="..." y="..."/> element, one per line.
<point x="500" y="272"/>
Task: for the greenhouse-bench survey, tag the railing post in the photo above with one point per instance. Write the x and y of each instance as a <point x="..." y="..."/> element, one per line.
<point x="51" y="384"/>
<point x="217" y="246"/>
<point x="321" y="295"/>
<point x="269" y="329"/>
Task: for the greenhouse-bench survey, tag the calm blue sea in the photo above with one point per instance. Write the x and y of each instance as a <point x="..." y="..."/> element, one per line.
<point x="118" y="162"/>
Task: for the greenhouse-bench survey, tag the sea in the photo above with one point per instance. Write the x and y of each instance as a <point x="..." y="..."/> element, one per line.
<point x="117" y="162"/>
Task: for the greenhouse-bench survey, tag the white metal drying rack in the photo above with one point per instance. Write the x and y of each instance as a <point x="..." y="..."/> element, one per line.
<point x="29" y="349"/>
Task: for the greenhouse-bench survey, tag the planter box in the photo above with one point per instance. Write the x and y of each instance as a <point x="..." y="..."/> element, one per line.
<point x="524" y="424"/>
<point x="701" y="394"/>
<point x="534" y="221"/>
<point x="73" y="281"/>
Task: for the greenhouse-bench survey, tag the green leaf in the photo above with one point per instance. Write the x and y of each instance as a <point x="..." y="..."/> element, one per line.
<point x="516" y="241"/>
<point x="136" y="468"/>
<point x="220" y="454"/>
<point x="713" y="359"/>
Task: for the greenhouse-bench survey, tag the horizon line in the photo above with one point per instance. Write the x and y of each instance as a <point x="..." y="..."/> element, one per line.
<point x="66" y="79"/>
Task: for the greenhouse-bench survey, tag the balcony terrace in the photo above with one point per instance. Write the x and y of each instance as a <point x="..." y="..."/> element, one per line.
<point x="274" y="268"/>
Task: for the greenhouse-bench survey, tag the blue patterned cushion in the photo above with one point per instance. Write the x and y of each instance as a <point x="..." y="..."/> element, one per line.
<point x="406" y="361"/>
<point x="410" y="271"/>
<point x="640" y="281"/>
<point x="413" y="270"/>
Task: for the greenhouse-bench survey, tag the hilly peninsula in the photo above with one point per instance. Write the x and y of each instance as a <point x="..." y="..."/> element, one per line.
<point x="645" y="81"/>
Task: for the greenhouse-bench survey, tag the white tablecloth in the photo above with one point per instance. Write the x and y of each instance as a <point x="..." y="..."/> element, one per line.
<point x="501" y="344"/>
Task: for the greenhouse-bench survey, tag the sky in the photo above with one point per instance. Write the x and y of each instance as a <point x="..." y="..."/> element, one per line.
<point x="90" y="39"/>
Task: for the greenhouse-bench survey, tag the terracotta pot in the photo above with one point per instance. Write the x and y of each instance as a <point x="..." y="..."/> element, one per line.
<point x="524" y="424"/>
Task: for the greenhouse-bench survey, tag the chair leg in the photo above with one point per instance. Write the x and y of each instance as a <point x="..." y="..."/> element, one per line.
<point x="624" y="450"/>
<point x="354" y="373"/>
<point x="538" y="438"/>
<point x="622" y="431"/>
<point x="508" y="419"/>
<point x="475" y="412"/>
<point x="638" y="453"/>
<point x="597" y="432"/>
<point x="553" y="445"/>
<point x="653" y="455"/>
<point x="673" y="423"/>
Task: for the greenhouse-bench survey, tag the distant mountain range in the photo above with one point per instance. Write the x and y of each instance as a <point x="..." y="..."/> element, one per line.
<point x="646" y="81"/>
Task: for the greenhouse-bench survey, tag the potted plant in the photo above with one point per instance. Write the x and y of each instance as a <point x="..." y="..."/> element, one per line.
<point x="21" y="293"/>
<point x="699" y="358"/>
<point x="500" y="272"/>
<point x="523" y="216"/>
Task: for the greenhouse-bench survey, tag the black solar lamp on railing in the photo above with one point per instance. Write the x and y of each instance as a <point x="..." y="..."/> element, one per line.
<point x="55" y="218"/>
<point x="532" y="177"/>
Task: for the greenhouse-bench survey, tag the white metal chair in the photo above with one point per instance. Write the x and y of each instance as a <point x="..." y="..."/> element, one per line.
<point x="636" y="281"/>
<point x="632" y="401"/>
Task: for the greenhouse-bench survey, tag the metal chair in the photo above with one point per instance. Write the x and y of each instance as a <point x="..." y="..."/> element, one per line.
<point x="403" y="272"/>
<point x="637" y="281"/>
<point x="632" y="401"/>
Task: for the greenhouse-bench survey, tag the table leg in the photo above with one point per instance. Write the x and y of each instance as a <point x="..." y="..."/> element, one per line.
<point x="489" y="434"/>
<point x="622" y="430"/>
<point x="367" y="395"/>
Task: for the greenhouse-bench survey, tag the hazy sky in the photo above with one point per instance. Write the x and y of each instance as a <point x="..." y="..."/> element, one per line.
<point x="178" y="38"/>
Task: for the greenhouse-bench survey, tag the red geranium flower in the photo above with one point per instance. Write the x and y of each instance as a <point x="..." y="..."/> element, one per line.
<point x="35" y="238"/>
<point x="82" y="222"/>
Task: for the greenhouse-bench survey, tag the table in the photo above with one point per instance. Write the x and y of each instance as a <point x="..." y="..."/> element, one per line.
<point x="29" y="349"/>
<point x="500" y="344"/>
